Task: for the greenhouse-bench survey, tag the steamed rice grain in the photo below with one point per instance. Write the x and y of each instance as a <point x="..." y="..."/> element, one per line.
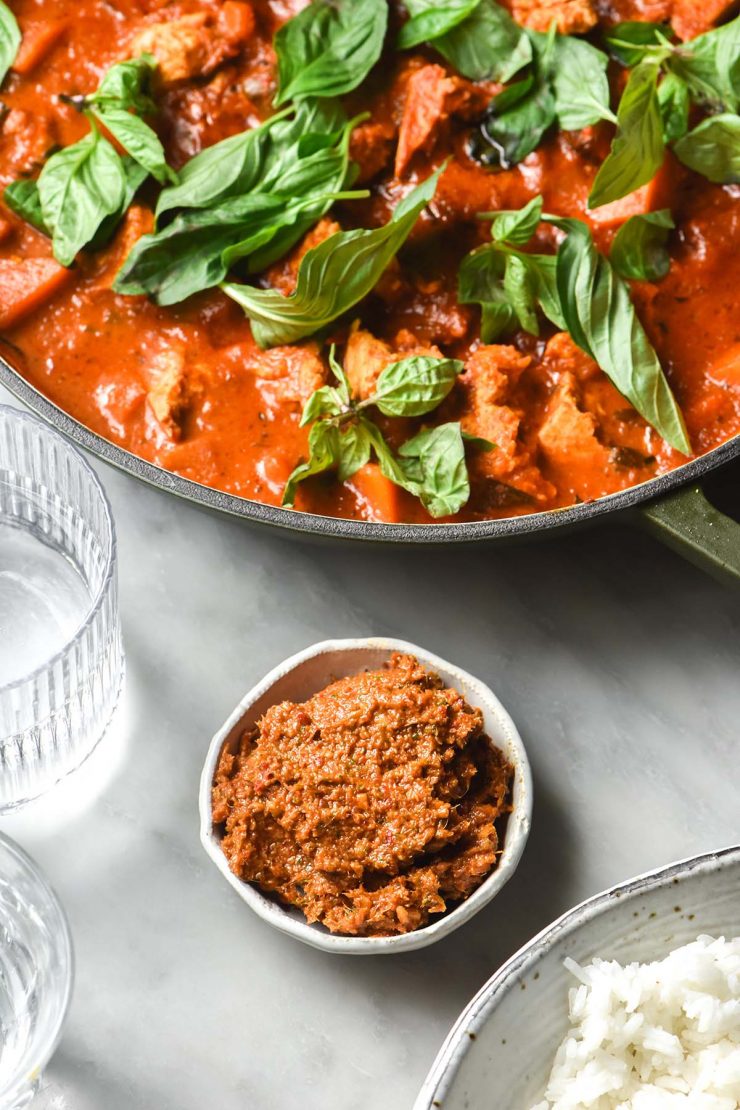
<point x="658" y="1036"/>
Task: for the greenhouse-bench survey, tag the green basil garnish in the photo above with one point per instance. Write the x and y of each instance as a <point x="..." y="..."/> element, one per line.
<point x="480" y="40"/>
<point x="713" y="149"/>
<point x="229" y="168"/>
<point x="329" y="48"/>
<point x="673" y="99"/>
<point x="431" y="19"/>
<point x="414" y="386"/>
<point x="601" y="319"/>
<point x="332" y="276"/>
<point x="127" y="88"/>
<point x="710" y="66"/>
<point x="510" y="284"/>
<point x="84" y="190"/>
<point x="639" y="249"/>
<point x="566" y="84"/>
<point x="580" y="291"/>
<point x="196" y="250"/>
<point x="631" y="42"/>
<point x="22" y="197"/>
<point x="638" y="148"/>
<point x="431" y="465"/>
<point x="79" y="187"/>
<point x="10" y="39"/>
<point x="138" y="140"/>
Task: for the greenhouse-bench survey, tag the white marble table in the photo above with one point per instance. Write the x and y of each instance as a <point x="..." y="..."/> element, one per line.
<point x="620" y="665"/>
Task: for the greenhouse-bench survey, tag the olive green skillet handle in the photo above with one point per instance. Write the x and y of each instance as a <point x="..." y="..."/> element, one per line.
<point x="687" y="522"/>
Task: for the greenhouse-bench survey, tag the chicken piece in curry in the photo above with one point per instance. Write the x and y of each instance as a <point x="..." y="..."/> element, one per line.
<point x="390" y="261"/>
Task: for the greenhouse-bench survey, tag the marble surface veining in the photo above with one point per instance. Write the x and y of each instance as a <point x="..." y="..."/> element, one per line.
<point x="619" y="663"/>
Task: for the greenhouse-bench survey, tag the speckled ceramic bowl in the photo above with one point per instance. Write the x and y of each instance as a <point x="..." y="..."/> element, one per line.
<point x="297" y="679"/>
<point x="500" y="1051"/>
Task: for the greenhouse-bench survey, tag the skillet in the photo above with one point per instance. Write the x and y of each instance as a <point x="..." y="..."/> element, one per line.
<point x="672" y="506"/>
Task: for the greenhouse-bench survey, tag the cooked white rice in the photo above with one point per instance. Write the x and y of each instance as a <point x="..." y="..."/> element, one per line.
<point x="659" y="1036"/>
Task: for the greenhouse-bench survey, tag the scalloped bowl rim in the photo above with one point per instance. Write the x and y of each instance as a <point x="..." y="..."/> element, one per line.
<point x="517" y="829"/>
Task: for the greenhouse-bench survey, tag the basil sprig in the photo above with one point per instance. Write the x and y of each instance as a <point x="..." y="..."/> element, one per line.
<point x="477" y="37"/>
<point x="289" y="194"/>
<point x="588" y="299"/>
<point x="332" y="276"/>
<point x="510" y="284"/>
<point x="566" y="84"/>
<point x="10" y="39"/>
<point x="601" y="319"/>
<point x="639" y="249"/>
<point x="343" y="437"/>
<point x="654" y="109"/>
<point x="713" y="149"/>
<point x="126" y="88"/>
<point x="638" y="146"/>
<point x="329" y="48"/>
<point x="84" y="190"/>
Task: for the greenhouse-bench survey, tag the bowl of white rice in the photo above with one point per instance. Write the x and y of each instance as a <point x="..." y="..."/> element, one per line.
<point x="631" y="1001"/>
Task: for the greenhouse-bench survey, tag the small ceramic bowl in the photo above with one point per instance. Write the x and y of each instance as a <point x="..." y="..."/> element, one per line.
<point x="500" y="1051"/>
<point x="297" y="679"/>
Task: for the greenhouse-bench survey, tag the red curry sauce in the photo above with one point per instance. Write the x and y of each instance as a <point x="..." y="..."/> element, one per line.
<point x="187" y="388"/>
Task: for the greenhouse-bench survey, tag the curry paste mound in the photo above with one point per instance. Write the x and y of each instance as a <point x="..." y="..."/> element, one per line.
<point x="372" y="806"/>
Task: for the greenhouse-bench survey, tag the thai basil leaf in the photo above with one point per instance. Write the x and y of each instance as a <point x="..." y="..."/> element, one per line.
<point x="710" y="66"/>
<point x="135" y="177"/>
<point x="518" y="118"/>
<point x="631" y="42"/>
<point x="639" y="249"/>
<point x="602" y="320"/>
<point x="324" y="454"/>
<point x="321" y="174"/>
<point x="10" y="39"/>
<point x="137" y="139"/>
<point x="197" y="250"/>
<point x="329" y="48"/>
<point x="432" y="18"/>
<point x="638" y="147"/>
<point x="324" y="402"/>
<point x="414" y="386"/>
<point x="226" y="169"/>
<point x="520" y="291"/>
<point x="127" y="85"/>
<point x="22" y="197"/>
<point x="434" y="461"/>
<point x="332" y="277"/>
<point x="567" y="84"/>
<point x="355" y="447"/>
<point x="673" y="98"/>
<point x="481" y="281"/>
<point x="487" y="46"/>
<point x="578" y="77"/>
<point x="78" y="188"/>
<point x="713" y="149"/>
<point x="517" y="227"/>
<point x="343" y="386"/>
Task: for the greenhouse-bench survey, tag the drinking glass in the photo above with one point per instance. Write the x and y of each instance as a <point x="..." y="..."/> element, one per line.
<point x="36" y="973"/>
<point x="61" y="659"/>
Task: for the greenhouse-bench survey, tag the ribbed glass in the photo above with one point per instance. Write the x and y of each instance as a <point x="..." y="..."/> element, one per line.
<point x="53" y="508"/>
<point x="36" y="972"/>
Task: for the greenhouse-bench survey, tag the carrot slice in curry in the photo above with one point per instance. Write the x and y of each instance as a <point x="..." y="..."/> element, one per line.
<point x="38" y="39"/>
<point x="27" y="284"/>
<point x="382" y="495"/>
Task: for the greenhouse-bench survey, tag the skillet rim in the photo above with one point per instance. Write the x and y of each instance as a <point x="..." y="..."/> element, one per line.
<point x="312" y="524"/>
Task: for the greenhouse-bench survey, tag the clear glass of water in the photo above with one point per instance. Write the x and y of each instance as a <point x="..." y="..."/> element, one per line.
<point x="61" y="660"/>
<point x="36" y="973"/>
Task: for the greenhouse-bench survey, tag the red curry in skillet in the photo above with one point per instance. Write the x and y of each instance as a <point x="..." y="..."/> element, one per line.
<point x="188" y="386"/>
